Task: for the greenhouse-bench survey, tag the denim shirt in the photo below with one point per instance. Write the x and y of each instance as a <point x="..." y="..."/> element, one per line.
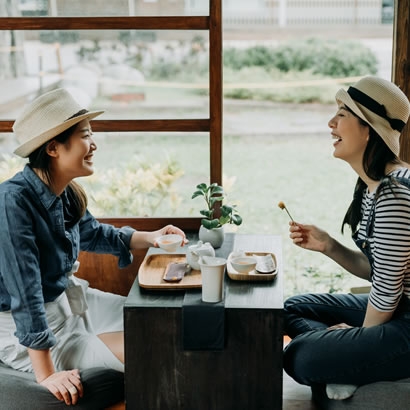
<point x="37" y="250"/>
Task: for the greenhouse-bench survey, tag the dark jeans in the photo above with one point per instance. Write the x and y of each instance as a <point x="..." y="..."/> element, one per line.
<point x="356" y="355"/>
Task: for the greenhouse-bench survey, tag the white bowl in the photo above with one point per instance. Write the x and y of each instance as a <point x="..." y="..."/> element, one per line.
<point x="243" y="264"/>
<point x="169" y="243"/>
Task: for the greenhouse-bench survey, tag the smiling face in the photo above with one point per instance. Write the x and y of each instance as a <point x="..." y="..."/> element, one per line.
<point x="350" y="135"/>
<point x="74" y="158"/>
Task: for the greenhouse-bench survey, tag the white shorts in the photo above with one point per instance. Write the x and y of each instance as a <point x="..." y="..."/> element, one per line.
<point x="78" y="346"/>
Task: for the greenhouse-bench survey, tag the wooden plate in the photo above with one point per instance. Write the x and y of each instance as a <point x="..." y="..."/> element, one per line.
<point x="152" y="269"/>
<point x="252" y="275"/>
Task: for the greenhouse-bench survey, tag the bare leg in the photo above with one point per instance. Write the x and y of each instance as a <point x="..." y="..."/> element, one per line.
<point x="115" y="342"/>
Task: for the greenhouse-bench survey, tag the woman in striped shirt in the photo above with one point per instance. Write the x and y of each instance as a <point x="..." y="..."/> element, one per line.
<point x="343" y="340"/>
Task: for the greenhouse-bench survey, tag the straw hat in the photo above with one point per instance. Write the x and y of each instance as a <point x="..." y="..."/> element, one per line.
<point x="45" y="118"/>
<point x="381" y="104"/>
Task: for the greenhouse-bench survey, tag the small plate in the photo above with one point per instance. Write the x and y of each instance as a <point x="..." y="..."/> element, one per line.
<point x="152" y="269"/>
<point x="252" y="275"/>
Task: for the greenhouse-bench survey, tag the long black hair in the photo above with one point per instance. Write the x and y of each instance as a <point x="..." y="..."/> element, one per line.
<point x="40" y="159"/>
<point x="375" y="158"/>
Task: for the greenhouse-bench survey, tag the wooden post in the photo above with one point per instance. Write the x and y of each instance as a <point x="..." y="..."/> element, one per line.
<point x="400" y="63"/>
<point x="215" y="90"/>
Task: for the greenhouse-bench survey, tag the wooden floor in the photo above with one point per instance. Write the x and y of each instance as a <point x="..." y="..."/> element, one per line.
<point x="296" y="396"/>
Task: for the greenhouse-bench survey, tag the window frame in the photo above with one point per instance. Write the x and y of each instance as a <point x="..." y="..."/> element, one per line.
<point x="213" y="125"/>
<point x="213" y="23"/>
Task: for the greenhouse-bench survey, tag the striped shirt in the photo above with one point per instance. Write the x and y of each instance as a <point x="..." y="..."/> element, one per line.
<point x="389" y="242"/>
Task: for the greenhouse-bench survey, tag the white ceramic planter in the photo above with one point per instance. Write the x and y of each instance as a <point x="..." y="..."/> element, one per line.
<point x="214" y="236"/>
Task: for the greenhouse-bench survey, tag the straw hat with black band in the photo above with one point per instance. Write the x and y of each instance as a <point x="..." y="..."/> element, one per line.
<point x="46" y="117"/>
<point x="381" y="104"/>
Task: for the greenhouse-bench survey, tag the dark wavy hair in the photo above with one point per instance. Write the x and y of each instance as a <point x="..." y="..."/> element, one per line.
<point x="375" y="158"/>
<point x="39" y="159"/>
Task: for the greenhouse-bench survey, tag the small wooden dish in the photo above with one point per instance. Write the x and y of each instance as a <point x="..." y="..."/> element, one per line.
<point x="152" y="269"/>
<point x="252" y="275"/>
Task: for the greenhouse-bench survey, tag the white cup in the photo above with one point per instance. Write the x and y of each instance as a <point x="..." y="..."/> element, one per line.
<point x="212" y="271"/>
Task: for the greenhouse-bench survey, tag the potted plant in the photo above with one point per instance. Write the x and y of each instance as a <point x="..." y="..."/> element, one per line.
<point x="216" y="214"/>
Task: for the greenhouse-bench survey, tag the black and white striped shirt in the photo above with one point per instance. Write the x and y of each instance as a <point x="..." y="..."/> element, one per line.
<point x="389" y="243"/>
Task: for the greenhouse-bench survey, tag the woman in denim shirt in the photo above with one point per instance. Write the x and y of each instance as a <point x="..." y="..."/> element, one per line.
<point x="344" y="340"/>
<point x="51" y="322"/>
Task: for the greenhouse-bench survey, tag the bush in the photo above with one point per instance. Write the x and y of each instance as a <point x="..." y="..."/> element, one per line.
<point x="259" y="56"/>
<point x="289" y="87"/>
<point x="296" y="71"/>
<point x="62" y="37"/>
<point x="331" y="58"/>
<point x="139" y="188"/>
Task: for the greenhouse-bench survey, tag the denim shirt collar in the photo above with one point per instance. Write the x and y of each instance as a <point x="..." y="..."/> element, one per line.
<point x="44" y="193"/>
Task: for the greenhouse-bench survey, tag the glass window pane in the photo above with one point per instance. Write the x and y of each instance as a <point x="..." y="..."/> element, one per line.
<point x="137" y="174"/>
<point x="130" y="74"/>
<point x="147" y="174"/>
<point x="277" y="143"/>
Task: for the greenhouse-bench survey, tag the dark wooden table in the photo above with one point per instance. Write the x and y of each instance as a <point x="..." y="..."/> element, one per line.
<point x="246" y="374"/>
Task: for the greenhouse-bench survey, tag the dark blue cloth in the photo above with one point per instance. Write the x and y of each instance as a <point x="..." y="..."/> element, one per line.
<point x="203" y="324"/>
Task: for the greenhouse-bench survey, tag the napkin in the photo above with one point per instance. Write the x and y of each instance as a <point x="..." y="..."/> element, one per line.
<point x="203" y="324"/>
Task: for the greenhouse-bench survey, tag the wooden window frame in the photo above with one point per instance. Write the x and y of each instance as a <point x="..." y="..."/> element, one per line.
<point x="211" y="23"/>
<point x="213" y="125"/>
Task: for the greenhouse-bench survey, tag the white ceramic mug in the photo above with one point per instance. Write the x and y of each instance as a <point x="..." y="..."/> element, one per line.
<point x="212" y="271"/>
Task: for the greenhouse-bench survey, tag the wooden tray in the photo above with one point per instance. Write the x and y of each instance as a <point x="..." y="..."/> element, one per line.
<point x="252" y="275"/>
<point x="152" y="269"/>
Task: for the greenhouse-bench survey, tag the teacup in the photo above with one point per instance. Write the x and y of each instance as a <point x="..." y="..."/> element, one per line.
<point x="170" y="242"/>
<point x="243" y="264"/>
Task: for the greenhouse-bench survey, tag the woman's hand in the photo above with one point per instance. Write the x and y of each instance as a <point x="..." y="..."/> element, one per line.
<point x="339" y="326"/>
<point x="309" y="237"/>
<point x="166" y="230"/>
<point x="144" y="239"/>
<point x="312" y="238"/>
<point x="65" y="386"/>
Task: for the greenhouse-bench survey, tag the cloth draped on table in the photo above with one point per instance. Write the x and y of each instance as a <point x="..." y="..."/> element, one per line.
<point x="203" y="324"/>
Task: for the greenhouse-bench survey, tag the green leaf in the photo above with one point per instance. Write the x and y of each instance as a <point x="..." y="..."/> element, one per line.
<point x="224" y="219"/>
<point x="197" y="193"/>
<point x="210" y="224"/>
<point x="236" y="219"/>
<point x="206" y="213"/>
<point x="215" y="189"/>
<point x="202" y="187"/>
<point x="226" y="210"/>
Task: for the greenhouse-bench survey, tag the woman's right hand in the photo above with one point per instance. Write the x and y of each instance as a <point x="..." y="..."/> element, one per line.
<point x="65" y="386"/>
<point x="309" y="237"/>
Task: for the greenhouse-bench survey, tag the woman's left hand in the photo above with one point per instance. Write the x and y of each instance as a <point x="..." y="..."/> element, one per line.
<point x="339" y="326"/>
<point x="170" y="229"/>
<point x="145" y="239"/>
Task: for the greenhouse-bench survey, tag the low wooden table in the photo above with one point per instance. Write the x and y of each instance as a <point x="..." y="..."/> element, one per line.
<point x="246" y="374"/>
